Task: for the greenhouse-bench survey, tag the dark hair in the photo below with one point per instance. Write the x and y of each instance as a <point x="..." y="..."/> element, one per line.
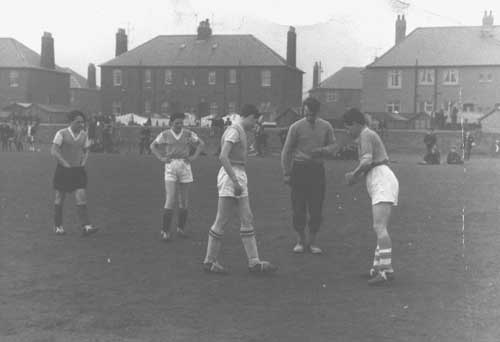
<point x="353" y="115"/>
<point x="250" y="109"/>
<point x="177" y="115"/>
<point x="74" y="114"/>
<point x="313" y="104"/>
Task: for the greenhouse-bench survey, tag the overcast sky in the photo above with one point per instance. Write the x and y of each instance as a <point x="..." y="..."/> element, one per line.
<point x="84" y="30"/>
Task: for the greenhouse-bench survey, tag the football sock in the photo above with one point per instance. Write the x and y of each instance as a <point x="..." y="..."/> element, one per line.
<point x="376" y="258"/>
<point x="167" y="219"/>
<point x="58" y="215"/>
<point x="83" y="214"/>
<point x="385" y="253"/>
<point x="250" y="245"/>
<point x="213" y="246"/>
<point x="183" y="213"/>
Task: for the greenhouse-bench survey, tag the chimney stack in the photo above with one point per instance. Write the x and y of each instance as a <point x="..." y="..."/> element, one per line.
<point x="400" y="28"/>
<point x="47" y="59"/>
<point x="121" y="42"/>
<point x="291" y="47"/>
<point x="315" y="75"/>
<point x="91" y="76"/>
<point x="204" y="30"/>
<point x="488" y="19"/>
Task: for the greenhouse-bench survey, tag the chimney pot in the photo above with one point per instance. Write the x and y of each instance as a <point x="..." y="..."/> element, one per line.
<point x="291" y="47"/>
<point x="47" y="58"/>
<point x="121" y="42"/>
<point x="91" y="82"/>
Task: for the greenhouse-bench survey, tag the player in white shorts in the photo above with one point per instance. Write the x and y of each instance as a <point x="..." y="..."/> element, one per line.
<point x="382" y="186"/>
<point x="233" y="192"/>
<point x="172" y="147"/>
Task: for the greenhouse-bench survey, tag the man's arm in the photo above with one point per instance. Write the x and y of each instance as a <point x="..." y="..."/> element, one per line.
<point x="286" y="153"/>
<point x="56" y="152"/>
<point x="198" y="150"/>
<point x="226" y="164"/>
<point x="365" y="160"/>
<point x="155" y="149"/>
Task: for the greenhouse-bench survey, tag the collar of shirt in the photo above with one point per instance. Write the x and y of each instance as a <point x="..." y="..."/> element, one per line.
<point x="73" y="134"/>
<point x="177" y="136"/>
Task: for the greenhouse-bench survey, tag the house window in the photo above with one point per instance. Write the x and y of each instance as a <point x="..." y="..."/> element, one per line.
<point x="117" y="107"/>
<point x="231" y="107"/>
<point x="164" y="107"/>
<point x="214" y="109"/>
<point x="265" y="107"/>
<point x="428" y="107"/>
<point x="13" y="79"/>
<point x="394" y="79"/>
<point x="147" y="106"/>
<point x="393" y="107"/>
<point x="265" y="76"/>
<point x="117" y="77"/>
<point x="450" y="76"/>
<point x="168" y="76"/>
<point x="211" y="77"/>
<point x="485" y="77"/>
<point x="331" y="96"/>
<point x="426" y="77"/>
<point x="232" y="76"/>
<point x="147" y="76"/>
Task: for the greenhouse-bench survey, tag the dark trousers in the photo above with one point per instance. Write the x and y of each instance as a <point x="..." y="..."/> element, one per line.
<point x="308" y="193"/>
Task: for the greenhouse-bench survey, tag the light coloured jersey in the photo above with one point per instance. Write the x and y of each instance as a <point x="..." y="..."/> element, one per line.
<point x="73" y="147"/>
<point x="177" y="146"/>
<point x="371" y="147"/>
<point x="304" y="137"/>
<point x="237" y="136"/>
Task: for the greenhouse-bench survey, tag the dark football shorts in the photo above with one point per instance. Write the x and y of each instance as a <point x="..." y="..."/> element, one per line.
<point x="69" y="179"/>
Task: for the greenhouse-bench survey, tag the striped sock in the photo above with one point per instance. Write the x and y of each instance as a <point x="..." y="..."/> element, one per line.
<point x="250" y="245"/>
<point x="213" y="246"/>
<point x="385" y="263"/>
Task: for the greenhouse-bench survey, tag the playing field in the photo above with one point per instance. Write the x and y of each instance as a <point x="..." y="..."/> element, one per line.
<point x="123" y="284"/>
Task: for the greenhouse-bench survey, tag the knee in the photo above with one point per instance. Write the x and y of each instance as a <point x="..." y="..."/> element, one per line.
<point x="59" y="198"/>
<point x="81" y="197"/>
<point x="380" y="230"/>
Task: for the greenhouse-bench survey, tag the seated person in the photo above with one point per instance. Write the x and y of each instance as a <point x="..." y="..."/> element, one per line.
<point x="454" y="157"/>
<point x="432" y="158"/>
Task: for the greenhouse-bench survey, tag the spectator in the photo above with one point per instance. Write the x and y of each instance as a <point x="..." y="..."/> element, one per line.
<point x="453" y="157"/>
<point x="433" y="157"/>
<point x="430" y="140"/>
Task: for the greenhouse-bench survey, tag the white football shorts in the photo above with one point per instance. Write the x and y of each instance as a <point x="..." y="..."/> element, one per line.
<point x="178" y="170"/>
<point x="382" y="185"/>
<point x="226" y="186"/>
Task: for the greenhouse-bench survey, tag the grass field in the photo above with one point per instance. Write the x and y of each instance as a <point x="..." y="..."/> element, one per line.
<point x="123" y="284"/>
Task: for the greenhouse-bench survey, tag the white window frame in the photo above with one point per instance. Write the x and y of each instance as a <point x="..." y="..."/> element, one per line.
<point x="451" y="77"/>
<point x="331" y="96"/>
<point x="212" y="77"/>
<point x="116" y="107"/>
<point x="394" y="79"/>
<point x="485" y="77"/>
<point x="231" y="107"/>
<point x="147" y="76"/>
<point x="213" y="108"/>
<point x="266" y="78"/>
<point x="393" y="107"/>
<point x="232" y="77"/>
<point x="14" y="78"/>
<point x="428" y="107"/>
<point x="168" y="76"/>
<point x="117" y="77"/>
<point x="426" y="77"/>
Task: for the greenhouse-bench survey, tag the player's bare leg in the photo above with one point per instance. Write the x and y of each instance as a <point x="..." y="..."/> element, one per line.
<point x="247" y="234"/>
<point x="183" y="198"/>
<point x="59" y="198"/>
<point x="168" y="212"/>
<point x="381" y="216"/>
<point x="225" y="207"/>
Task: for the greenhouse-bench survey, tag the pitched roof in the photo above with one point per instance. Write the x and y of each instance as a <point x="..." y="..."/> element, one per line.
<point x="76" y="80"/>
<point x="345" y="78"/>
<point x="445" y="46"/>
<point x="186" y="50"/>
<point x="14" y="54"/>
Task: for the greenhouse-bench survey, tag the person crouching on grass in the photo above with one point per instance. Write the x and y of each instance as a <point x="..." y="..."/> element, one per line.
<point x="71" y="149"/>
<point x="382" y="186"/>
<point x="172" y="147"/>
<point x="233" y="191"/>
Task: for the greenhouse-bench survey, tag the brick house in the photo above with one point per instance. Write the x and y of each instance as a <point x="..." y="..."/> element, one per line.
<point x="202" y="74"/>
<point x="434" y="69"/>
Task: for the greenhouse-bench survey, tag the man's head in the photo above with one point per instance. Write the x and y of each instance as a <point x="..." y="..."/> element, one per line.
<point x="177" y="121"/>
<point x="249" y="115"/>
<point x="76" y="120"/>
<point x="354" y="122"/>
<point x="310" y="109"/>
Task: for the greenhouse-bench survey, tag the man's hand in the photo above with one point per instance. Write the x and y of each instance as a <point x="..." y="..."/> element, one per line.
<point x="238" y="190"/>
<point x="65" y="163"/>
<point x="165" y="160"/>
<point x="191" y="158"/>
<point x="350" y="178"/>
<point x="287" y="179"/>
<point x="317" y="152"/>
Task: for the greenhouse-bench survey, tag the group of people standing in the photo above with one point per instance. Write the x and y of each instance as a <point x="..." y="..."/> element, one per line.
<point x="309" y="142"/>
<point x="433" y="156"/>
<point x="18" y="136"/>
